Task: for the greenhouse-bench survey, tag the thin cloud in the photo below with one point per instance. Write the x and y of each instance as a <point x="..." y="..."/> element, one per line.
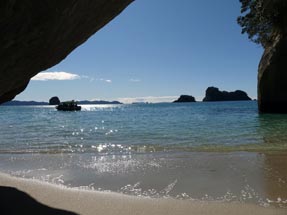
<point x="150" y="99"/>
<point x="134" y="80"/>
<point x="55" y="76"/>
<point x="105" y="80"/>
<point x="91" y="79"/>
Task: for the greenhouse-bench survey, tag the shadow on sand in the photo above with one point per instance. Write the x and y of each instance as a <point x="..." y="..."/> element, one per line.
<point x="15" y="202"/>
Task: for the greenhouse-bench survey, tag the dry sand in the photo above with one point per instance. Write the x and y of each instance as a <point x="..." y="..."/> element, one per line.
<point x="34" y="197"/>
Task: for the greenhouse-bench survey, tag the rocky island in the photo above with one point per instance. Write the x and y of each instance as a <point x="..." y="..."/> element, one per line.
<point x="54" y="101"/>
<point x="213" y="94"/>
<point x="185" y="98"/>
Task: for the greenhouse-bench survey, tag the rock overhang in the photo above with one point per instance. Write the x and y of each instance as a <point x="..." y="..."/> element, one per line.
<point x="36" y="35"/>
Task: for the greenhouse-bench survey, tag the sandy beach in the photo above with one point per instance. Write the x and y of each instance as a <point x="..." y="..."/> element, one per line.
<point x="34" y="197"/>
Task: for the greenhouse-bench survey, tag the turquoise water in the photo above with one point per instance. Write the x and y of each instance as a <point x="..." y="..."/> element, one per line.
<point x="213" y="151"/>
<point x="141" y="128"/>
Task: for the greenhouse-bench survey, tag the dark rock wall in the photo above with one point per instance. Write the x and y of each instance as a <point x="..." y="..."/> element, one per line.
<point x="272" y="78"/>
<point x="37" y="34"/>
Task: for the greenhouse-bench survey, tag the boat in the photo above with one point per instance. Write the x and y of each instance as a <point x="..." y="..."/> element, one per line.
<point x="69" y="106"/>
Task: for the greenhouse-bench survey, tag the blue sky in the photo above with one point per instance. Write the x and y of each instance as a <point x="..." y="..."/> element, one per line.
<point x="155" y="51"/>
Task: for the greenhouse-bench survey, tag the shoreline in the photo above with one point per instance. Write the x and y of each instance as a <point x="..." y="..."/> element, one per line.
<point x="86" y="202"/>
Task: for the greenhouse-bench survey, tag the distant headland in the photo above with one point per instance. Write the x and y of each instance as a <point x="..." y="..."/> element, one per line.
<point x="23" y="103"/>
<point x="100" y="102"/>
<point x="55" y="101"/>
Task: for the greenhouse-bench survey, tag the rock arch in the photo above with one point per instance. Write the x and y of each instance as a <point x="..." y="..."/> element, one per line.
<point x="37" y="34"/>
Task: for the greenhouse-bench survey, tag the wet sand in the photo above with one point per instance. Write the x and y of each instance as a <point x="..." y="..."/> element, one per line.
<point x="34" y="197"/>
<point x="247" y="177"/>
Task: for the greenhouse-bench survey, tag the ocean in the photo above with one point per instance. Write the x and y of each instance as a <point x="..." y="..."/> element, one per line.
<point x="214" y="151"/>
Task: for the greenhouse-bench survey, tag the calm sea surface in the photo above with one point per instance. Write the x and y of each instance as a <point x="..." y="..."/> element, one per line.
<point x="210" y="151"/>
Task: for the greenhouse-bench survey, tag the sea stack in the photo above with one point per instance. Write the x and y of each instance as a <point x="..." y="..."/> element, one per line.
<point x="213" y="94"/>
<point x="54" y="101"/>
<point x="185" y="98"/>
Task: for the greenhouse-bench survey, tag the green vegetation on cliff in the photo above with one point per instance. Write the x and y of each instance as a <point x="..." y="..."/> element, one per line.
<point x="263" y="20"/>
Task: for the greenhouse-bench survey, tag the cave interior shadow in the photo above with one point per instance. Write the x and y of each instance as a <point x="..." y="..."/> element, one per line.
<point x="15" y="202"/>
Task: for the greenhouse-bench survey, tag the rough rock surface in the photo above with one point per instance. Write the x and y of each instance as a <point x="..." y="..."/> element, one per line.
<point x="185" y="98"/>
<point x="37" y="34"/>
<point x="213" y="94"/>
<point x="272" y="78"/>
<point x="54" y="101"/>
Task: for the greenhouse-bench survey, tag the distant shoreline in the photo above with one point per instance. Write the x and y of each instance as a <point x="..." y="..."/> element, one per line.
<point x="34" y="103"/>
